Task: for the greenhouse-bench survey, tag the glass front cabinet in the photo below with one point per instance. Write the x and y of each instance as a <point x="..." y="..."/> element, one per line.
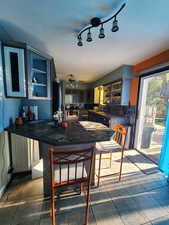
<point x="27" y="73"/>
<point x="38" y="77"/>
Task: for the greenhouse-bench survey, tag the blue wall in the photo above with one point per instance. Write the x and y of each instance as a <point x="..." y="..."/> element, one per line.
<point x="11" y="110"/>
<point x="44" y="107"/>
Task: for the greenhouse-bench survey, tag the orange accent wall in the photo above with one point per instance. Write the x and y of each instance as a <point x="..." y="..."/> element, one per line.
<point x="153" y="61"/>
<point x="134" y="91"/>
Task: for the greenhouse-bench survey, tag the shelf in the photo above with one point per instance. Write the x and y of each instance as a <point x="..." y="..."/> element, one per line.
<point x="39" y="84"/>
<point x="116" y="90"/>
<point x="116" y="97"/>
<point x="117" y="83"/>
<point x="39" y="71"/>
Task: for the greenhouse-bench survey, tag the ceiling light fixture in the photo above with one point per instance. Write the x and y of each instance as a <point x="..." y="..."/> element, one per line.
<point x="71" y="82"/>
<point x="95" y="22"/>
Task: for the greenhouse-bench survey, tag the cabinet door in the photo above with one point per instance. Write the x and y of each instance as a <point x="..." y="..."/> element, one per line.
<point x="21" y="155"/>
<point x="96" y="95"/>
<point x="1" y="92"/>
<point x="25" y="153"/>
<point x="39" y="77"/>
<point x="15" y="72"/>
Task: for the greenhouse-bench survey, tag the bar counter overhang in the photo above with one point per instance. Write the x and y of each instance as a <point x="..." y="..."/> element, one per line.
<point x="78" y="135"/>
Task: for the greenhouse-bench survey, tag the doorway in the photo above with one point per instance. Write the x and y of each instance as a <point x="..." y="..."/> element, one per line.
<point x="152" y="108"/>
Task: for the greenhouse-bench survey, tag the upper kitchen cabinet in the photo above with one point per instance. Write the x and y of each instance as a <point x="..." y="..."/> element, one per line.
<point x="116" y="86"/>
<point x="98" y="95"/>
<point x="38" y="76"/>
<point x="14" y="67"/>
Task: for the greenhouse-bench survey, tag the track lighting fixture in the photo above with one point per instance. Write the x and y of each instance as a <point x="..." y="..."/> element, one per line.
<point x="95" y="22"/>
<point x="101" y="34"/>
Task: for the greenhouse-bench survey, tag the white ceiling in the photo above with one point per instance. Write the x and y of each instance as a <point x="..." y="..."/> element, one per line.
<point x="52" y="25"/>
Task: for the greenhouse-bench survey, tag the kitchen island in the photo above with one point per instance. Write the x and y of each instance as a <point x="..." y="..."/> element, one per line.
<point x="78" y="135"/>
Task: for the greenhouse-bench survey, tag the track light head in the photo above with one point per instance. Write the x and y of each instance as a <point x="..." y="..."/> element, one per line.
<point x="89" y="37"/>
<point x="115" y="27"/>
<point x="80" y="43"/>
<point x="101" y="34"/>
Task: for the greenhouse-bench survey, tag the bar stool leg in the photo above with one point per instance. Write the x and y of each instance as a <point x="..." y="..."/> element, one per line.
<point x="52" y="209"/>
<point x="121" y="164"/>
<point x="100" y="159"/>
<point x="110" y="159"/>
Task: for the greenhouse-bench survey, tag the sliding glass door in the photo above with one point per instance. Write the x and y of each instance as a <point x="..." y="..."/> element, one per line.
<point x="152" y="110"/>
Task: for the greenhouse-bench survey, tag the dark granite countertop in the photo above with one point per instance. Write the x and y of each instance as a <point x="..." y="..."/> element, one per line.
<point x="76" y="133"/>
<point x="101" y="113"/>
<point x="105" y="114"/>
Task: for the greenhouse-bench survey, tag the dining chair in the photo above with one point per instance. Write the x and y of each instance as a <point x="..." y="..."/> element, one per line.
<point x="117" y="144"/>
<point x="70" y="168"/>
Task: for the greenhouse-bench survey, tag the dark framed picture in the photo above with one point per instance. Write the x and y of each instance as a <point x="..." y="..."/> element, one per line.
<point x="15" y="78"/>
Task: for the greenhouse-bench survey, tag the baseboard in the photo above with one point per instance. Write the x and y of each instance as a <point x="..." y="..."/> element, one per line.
<point x="21" y="174"/>
<point x="3" y="188"/>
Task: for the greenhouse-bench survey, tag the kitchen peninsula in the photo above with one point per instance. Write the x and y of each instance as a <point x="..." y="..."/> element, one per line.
<point x="77" y="135"/>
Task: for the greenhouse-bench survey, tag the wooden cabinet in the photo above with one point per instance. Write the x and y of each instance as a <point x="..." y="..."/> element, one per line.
<point x="116" y="85"/>
<point x="38" y="77"/>
<point x="107" y="94"/>
<point x="98" y="95"/>
<point x="117" y="92"/>
<point x="14" y="59"/>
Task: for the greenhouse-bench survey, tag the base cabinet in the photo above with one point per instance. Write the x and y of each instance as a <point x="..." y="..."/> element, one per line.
<point x="25" y="153"/>
<point x="5" y="176"/>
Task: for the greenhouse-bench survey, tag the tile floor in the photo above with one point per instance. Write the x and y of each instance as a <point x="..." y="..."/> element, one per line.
<point x="140" y="198"/>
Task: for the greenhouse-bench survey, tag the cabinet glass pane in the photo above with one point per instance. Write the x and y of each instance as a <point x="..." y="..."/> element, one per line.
<point x="14" y="71"/>
<point x="40" y="64"/>
<point x="39" y="76"/>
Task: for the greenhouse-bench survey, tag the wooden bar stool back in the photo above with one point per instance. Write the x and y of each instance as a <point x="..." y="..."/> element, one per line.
<point x="117" y="144"/>
<point x="69" y="168"/>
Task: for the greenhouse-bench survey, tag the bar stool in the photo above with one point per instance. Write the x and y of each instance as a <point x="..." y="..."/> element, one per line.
<point x="69" y="168"/>
<point x="117" y="144"/>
